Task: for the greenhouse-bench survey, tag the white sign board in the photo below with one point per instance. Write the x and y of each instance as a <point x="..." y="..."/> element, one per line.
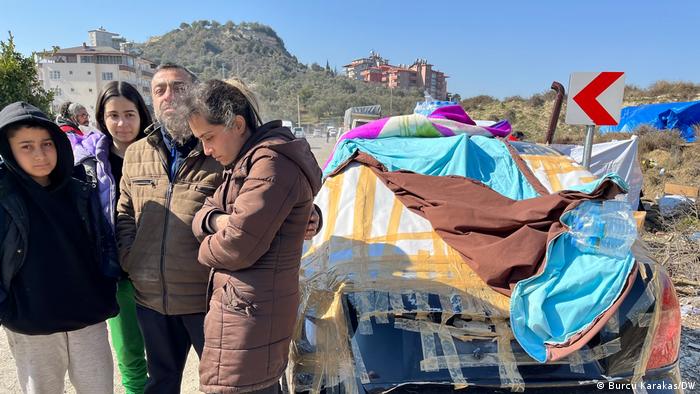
<point x="595" y="98"/>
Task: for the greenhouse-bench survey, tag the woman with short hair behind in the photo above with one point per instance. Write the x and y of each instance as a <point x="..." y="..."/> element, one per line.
<point x="252" y="230"/>
<point x="122" y="117"/>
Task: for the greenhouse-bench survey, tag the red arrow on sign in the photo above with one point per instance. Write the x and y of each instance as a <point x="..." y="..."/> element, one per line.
<point x="586" y="98"/>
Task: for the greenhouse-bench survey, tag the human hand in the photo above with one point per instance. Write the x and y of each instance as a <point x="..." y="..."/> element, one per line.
<point x="218" y="221"/>
<point x="312" y="227"/>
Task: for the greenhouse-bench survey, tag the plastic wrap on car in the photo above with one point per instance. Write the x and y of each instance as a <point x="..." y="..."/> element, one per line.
<point x="387" y="284"/>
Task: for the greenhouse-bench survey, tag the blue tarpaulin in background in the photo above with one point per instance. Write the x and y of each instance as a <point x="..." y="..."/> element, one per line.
<point x="681" y="116"/>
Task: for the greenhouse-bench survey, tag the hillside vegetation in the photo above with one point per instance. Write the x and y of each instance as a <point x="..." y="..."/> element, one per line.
<point x="256" y="54"/>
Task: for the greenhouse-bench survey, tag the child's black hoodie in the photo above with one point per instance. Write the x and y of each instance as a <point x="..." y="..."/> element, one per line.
<point x="52" y="274"/>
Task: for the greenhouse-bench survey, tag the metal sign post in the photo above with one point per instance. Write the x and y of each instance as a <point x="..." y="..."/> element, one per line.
<point x="588" y="146"/>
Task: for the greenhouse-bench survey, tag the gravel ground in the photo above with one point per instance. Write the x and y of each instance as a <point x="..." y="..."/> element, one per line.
<point x="690" y="341"/>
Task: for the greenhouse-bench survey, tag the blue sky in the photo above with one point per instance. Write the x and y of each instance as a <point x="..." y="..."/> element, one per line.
<point x="489" y="47"/>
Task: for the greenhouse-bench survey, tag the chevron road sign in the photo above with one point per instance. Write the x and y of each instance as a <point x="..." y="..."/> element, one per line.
<point x="595" y="98"/>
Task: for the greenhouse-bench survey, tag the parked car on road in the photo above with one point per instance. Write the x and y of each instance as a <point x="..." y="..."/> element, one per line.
<point x="411" y="330"/>
<point x="298" y="132"/>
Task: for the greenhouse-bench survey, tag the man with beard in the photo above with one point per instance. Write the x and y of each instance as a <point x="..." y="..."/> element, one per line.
<point x="166" y="178"/>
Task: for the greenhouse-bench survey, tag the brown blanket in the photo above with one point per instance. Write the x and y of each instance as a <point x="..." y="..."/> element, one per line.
<point x="502" y="240"/>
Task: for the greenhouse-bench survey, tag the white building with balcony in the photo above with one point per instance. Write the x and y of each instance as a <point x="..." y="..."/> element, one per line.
<point x="78" y="74"/>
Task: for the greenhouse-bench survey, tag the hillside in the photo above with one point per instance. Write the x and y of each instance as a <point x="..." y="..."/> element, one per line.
<point x="257" y="55"/>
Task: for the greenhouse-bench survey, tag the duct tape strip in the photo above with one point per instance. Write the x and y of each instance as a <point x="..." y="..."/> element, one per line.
<point x="364" y="324"/>
<point x="429" y="362"/>
<point x="332" y="363"/>
<point x="522" y="359"/>
<point x="381" y="307"/>
<point x="396" y="302"/>
<point x="644" y="319"/>
<point x="613" y="324"/>
<point x="640" y="308"/>
<point x="394" y="221"/>
<point x="456" y="301"/>
<point x="420" y="326"/>
<point x="422" y="303"/>
<point x="361" y="230"/>
<point x="585" y="355"/>
<point x="576" y="363"/>
<point x="450" y="352"/>
<point x="655" y="287"/>
<point x="360" y="369"/>
<point x="323" y="350"/>
<point x="507" y="366"/>
<point x="446" y="306"/>
<point x="465" y="361"/>
<point x="601" y="351"/>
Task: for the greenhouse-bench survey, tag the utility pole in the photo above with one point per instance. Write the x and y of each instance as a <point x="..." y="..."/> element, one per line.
<point x="391" y="101"/>
<point x="298" y="112"/>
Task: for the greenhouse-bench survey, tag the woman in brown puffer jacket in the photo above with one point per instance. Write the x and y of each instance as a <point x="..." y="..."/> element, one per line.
<point x="252" y="230"/>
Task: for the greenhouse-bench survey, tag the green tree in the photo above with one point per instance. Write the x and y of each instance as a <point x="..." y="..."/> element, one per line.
<point x="18" y="79"/>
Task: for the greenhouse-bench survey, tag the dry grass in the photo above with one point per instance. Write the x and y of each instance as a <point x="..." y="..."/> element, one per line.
<point x="665" y="159"/>
<point x="651" y="139"/>
<point x="663" y="91"/>
<point x="671" y="244"/>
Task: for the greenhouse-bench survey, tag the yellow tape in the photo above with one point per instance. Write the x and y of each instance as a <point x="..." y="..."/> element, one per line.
<point x="656" y="288"/>
<point x="555" y="166"/>
<point x="452" y="359"/>
<point x="507" y="366"/>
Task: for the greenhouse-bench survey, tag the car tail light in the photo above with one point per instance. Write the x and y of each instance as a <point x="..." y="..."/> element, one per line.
<point x="667" y="337"/>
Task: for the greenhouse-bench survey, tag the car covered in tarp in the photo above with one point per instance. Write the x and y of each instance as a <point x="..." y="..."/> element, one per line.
<point x="446" y="262"/>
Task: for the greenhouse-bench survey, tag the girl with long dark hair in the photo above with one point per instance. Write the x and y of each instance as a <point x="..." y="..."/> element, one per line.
<point x="122" y="117"/>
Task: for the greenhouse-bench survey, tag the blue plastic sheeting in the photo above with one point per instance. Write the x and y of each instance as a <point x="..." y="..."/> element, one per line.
<point x="482" y="158"/>
<point x="681" y="116"/>
<point x="570" y="293"/>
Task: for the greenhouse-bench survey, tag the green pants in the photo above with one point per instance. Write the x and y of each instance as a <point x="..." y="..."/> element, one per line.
<point x="128" y="341"/>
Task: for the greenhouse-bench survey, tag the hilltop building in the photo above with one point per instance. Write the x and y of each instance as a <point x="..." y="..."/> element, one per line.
<point x="420" y="74"/>
<point x="78" y="73"/>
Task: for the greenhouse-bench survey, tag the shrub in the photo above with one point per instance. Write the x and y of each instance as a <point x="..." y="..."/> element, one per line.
<point x="511" y="115"/>
<point x="513" y="98"/>
<point x="536" y="100"/>
<point x="651" y="139"/>
<point x="477" y="102"/>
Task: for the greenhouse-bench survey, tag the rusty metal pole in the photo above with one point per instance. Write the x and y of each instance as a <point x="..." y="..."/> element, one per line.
<point x="559" y="88"/>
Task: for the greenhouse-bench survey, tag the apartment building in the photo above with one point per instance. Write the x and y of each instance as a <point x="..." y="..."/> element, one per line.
<point x="355" y="69"/>
<point x="420" y="74"/>
<point x="79" y="73"/>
